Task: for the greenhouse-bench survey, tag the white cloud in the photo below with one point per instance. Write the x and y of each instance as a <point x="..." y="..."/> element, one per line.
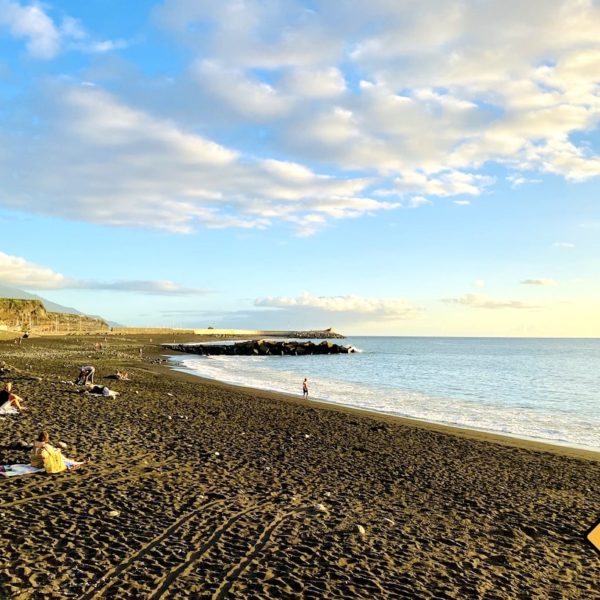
<point x="417" y="201"/>
<point x="44" y="38"/>
<point x="373" y="308"/>
<point x="479" y="283"/>
<point x="461" y="202"/>
<point x="480" y="301"/>
<point x="452" y="183"/>
<point x="253" y="34"/>
<point x="17" y="271"/>
<point x="154" y="288"/>
<point x="314" y="83"/>
<point x="244" y="94"/>
<point x="519" y="180"/>
<point x="563" y="245"/>
<point x="423" y="94"/>
<point x="444" y="84"/>
<point x="540" y="281"/>
<point x="160" y="175"/>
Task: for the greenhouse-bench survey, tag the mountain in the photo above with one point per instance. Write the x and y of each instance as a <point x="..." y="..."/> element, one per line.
<point x="12" y="292"/>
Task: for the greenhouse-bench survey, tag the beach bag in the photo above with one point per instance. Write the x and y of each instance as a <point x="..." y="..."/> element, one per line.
<point x="54" y="461"/>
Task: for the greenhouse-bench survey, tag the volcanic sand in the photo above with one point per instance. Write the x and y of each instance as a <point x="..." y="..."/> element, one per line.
<point x="202" y="490"/>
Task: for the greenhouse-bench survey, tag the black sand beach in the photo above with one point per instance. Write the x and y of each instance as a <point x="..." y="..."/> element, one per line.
<point x="201" y="490"/>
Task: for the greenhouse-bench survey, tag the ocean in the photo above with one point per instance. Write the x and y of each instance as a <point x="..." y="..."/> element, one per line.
<point x="541" y="389"/>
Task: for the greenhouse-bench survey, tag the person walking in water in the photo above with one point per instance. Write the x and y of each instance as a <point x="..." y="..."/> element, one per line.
<point x="305" y="389"/>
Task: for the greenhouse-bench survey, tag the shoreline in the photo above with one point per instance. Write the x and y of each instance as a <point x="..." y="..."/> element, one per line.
<point x="541" y="445"/>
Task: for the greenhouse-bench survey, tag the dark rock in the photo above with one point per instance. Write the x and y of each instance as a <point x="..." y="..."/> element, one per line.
<point x="262" y="348"/>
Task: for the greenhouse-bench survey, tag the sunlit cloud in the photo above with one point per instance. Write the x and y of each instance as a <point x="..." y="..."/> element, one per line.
<point x="162" y="176"/>
<point x="414" y="106"/>
<point x="480" y="301"/>
<point x="540" y="281"/>
<point x="365" y="307"/>
<point x="432" y="94"/>
<point x="17" y="271"/>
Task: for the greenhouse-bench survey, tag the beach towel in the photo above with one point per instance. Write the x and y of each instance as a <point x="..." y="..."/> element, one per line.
<point x="8" y="409"/>
<point x="14" y="470"/>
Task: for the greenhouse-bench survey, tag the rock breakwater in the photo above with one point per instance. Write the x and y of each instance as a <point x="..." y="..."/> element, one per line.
<point x="263" y="348"/>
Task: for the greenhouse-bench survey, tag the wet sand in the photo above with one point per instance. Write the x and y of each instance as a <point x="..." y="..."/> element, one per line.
<point x="203" y="490"/>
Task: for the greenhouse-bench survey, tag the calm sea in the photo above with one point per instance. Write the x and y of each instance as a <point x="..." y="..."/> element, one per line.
<point x="545" y="389"/>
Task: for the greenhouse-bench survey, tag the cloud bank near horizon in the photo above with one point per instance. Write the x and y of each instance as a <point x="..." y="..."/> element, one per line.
<point x="17" y="271"/>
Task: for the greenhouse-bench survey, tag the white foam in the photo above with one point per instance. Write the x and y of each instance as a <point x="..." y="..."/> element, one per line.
<point x="520" y="421"/>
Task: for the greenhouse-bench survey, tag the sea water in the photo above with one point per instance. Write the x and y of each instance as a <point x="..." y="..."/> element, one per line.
<point x="544" y="389"/>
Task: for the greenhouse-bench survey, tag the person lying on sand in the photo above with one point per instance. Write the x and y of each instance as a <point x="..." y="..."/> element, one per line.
<point x="45" y="456"/>
<point x="102" y="390"/>
<point x="6" y="396"/>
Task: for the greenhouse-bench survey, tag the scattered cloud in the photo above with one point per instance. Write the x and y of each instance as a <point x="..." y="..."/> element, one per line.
<point x="154" y="288"/>
<point x="408" y="99"/>
<point x="374" y="308"/>
<point x="161" y="175"/>
<point x="480" y="301"/>
<point x="563" y="245"/>
<point x="442" y="85"/>
<point x="461" y="202"/>
<point x="19" y="272"/>
<point x="451" y="183"/>
<point x="31" y="23"/>
<point x="417" y="201"/>
<point x="519" y="180"/>
<point x="540" y="281"/>
<point x="44" y="37"/>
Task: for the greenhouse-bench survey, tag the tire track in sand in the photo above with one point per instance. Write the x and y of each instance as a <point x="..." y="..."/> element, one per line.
<point x="242" y="565"/>
<point x="112" y="574"/>
<point x="196" y="555"/>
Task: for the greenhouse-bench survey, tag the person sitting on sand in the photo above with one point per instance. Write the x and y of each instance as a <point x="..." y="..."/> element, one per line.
<point x="86" y="375"/>
<point x="45" y="456"/>
<point x="7" y="397"/>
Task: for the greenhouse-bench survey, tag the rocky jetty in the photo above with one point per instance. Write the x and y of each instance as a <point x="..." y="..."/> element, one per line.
<point x="263" y="348"/>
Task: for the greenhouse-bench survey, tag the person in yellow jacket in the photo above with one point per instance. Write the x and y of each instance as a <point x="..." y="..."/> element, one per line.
<point x="45" y="456"/>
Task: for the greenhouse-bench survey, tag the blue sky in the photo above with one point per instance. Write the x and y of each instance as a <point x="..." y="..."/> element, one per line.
<point x="391" y="167"/>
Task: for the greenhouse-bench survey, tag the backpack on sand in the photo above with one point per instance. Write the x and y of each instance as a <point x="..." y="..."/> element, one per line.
<point x="54" y="461"/>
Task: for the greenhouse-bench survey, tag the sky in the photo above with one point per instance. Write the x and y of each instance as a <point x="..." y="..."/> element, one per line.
<point x="391" y="167"/>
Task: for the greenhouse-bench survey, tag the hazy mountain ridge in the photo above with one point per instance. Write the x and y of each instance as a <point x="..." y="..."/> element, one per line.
<point x="7" y="291"/>
<point x="12" y="292"/>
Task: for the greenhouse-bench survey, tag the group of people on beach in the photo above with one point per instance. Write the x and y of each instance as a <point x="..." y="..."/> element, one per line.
<point x="43" y="454"/>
